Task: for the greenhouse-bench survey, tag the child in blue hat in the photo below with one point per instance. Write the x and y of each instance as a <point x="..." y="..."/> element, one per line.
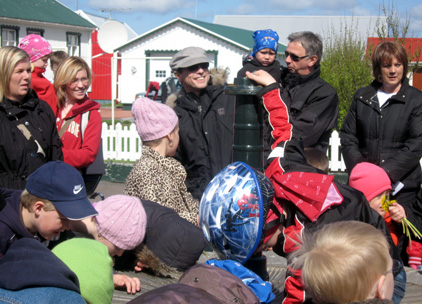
<point x="263" y="55"/>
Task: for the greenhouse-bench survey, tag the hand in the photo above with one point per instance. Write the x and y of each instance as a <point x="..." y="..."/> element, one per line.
<point x="139" y="266"/>
<point x="133" y="285"/>
<point x="397" y="212"/>
<point x="261" y="77"/>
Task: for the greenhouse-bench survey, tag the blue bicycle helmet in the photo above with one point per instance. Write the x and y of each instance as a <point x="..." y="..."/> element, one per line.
<point x="233" y="209"/>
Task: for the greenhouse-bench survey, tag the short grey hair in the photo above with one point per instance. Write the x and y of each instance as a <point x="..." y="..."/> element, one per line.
<point x="311" y="42"/>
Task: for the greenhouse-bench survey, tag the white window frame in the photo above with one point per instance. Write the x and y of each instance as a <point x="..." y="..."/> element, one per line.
<point x="73" y="41"/>
<point x="5" y="36"/>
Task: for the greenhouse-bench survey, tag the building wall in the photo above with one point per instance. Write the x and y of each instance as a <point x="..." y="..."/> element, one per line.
<point x="164" y="43"/>
<point x="55" y="34"/>
<point x="101" y="72"/>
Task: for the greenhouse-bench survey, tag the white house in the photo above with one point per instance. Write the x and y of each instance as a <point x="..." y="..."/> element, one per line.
<point x="146" y="58"/>
<point x="64" y="29"/>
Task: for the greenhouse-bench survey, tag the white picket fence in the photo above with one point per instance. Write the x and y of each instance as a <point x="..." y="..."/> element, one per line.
<point x="124" y="144"/>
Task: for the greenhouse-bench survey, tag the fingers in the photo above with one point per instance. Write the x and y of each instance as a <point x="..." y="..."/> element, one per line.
<point x="133" y="285"/>
<point x="261" y="77"/>
<point x="397" y="212"/>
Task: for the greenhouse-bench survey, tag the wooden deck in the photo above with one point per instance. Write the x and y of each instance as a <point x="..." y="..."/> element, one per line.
<point x="276" y="268"/>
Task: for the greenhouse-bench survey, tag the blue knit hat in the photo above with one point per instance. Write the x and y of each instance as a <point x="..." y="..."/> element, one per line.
<point x="264" y="39"/>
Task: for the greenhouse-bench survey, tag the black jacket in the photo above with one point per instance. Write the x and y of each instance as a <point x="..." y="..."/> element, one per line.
<point x="20" y="157"/>
<point x="11" y="225"/>
<point x="30" y="264"/>
<point x="206" y="135"/>
<point x="390" y="137"/>
<point x="251" y="65"/>
<point x="171" y="242"/>
<point x="313" y="107"/>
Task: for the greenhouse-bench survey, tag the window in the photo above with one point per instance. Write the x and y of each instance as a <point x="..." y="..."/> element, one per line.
<point x="73" y="44"/>
<point x="9" y="35"/>
<point x="37" y="31"/>
<point x="160" y="73"/>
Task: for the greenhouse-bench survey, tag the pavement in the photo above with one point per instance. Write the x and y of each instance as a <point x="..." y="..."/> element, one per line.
<point x="276" y="267"/>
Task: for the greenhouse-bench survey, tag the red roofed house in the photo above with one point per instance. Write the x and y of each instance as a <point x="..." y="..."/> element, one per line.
<point x="414" y="50"/>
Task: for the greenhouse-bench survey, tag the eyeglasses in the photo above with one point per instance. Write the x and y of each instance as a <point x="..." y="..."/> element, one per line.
<point x="194" y="68"/>
<point x="294" y="57"/>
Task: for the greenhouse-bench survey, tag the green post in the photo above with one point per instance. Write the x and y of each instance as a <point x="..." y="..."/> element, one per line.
<point x="248" y="144"/>
<point x="248" y="126"/>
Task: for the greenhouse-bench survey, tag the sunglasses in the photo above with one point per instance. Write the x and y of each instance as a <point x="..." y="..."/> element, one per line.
<point x="294" y="57"/>
<point x="203" y="65"/>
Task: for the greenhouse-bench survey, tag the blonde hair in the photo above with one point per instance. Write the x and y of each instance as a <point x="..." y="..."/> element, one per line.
<point x="10" y="56"/>
<point x="65" y="74"/>
<point x="342" y="261"/>
<point x="28" y="200"/>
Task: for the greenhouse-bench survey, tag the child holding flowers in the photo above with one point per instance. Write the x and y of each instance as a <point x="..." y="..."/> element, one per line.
<point x="375" y="184"/>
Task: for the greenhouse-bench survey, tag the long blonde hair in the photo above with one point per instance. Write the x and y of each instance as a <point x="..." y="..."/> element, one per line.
<point x="65" y="74"/>
<point x="10" y="56"/>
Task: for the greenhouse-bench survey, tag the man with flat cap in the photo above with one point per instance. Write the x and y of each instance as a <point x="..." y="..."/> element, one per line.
<point x="206" y="117"/>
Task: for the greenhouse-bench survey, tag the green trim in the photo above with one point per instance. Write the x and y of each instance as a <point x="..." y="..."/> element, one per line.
<point x="48" y="11"/>
<point x="79" y="40"/>
<point x="33" y="29"/>
<point x="9" y="27"/>
<point x="234" y="36"/>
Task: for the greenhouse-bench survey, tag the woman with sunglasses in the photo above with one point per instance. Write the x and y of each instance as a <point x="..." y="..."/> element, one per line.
<point x="384" y="127"/>
<point x="81" y="141"/>
<point x="206" y="117"/>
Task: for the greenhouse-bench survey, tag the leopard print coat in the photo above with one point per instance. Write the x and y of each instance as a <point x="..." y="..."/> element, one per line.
<point x="162" y="180"/>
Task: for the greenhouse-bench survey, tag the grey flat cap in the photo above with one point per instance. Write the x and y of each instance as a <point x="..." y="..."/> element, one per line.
<point x="187" y="57"/>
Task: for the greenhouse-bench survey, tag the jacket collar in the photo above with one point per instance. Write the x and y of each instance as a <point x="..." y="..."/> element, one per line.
<point x="291" y="80"/>
<point x="375" y="85"/>
<point x="13" y="108"/>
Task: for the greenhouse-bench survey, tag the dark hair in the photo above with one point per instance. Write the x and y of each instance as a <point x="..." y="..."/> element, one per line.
<point x="384" y="53"/>
<point x="317" y="158"/>
<point x="311" y="42"/>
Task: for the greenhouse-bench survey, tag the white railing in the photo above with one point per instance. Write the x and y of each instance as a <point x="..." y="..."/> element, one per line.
<point x="124" y="144"/>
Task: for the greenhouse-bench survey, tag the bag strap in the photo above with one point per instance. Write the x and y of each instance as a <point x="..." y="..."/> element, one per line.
<point x="65" y="126"/>
<point x="28" y="136"/>
<point x="84" y="122"/>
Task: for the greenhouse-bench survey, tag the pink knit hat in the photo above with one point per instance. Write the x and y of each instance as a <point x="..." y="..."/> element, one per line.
<point x="122" y="220"/>
<point x="153" y="119"/>
<point x="36" y="46"/>
<point x="369" y="179"/>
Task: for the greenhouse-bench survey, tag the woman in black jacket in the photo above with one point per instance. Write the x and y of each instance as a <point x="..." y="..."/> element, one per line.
<point x="28" y="134"/>
<point x="384" y="125"/>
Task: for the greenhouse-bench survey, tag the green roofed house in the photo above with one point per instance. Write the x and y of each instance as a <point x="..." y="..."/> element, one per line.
<point x="146" y="58"/>
<point x="62" y="27"/>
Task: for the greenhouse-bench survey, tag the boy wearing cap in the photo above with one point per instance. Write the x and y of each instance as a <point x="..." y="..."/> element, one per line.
<point x="55" y="193"/>
<point x="206" y="117"/>
<point x="40" y="51"/>
<point x="263" y="54"/>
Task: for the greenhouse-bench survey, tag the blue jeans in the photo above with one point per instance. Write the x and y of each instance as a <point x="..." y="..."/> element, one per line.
<point x="399" y="286"/>
<point x="40" y="295"/>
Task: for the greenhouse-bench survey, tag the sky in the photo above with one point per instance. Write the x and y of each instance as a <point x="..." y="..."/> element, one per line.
<point x="145" y="15"/>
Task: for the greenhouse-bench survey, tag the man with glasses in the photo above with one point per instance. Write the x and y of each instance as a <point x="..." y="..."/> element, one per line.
<point x="313" y="102"/>
<point x="206" y="118"/>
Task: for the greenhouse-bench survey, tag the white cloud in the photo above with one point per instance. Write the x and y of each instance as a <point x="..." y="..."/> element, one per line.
<point x="151" y="6"/>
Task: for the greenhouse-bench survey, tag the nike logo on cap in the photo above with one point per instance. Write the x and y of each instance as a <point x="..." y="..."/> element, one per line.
<point x="77" y="189"/>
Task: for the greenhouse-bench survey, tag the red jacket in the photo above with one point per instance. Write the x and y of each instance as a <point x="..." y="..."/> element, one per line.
<point x="77" y="153"/>
<point x="44" y="88"/>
